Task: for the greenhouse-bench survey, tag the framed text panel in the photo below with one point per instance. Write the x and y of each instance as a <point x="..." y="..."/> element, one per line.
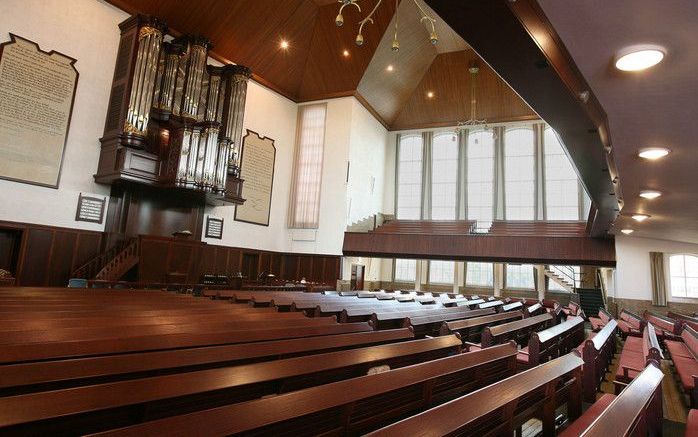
<point x="37" y="92"/>
<point x="257" y="171"/>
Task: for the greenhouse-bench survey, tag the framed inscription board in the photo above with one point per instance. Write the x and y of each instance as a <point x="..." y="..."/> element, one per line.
<point x="257" y="170"/>
<point x="214" y="228"/>
<point x="90" y="209"/>
<point x="37" y="92"/>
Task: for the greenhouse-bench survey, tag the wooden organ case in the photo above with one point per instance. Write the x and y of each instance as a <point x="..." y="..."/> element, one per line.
<point x="173" y="121"/>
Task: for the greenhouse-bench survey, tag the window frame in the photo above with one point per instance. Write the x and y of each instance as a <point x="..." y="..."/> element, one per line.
<point x="395" y="278"/>
<point x="671" y="277"/>
<point x="471" y="285"/>
<point x="400" y="137"/>
<point x="454" y="135"/>
<point x="430" y="282"/>
<point x="534" y="171"/>
<point x="506" y="281"/>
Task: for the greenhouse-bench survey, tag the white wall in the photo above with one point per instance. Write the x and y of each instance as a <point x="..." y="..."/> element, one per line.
<point x="274" y="116"/>
<point x="633" y="265"/>
<point x="86" y="30"/>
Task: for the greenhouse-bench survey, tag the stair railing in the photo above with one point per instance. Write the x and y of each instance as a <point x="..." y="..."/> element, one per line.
<point x="90" y="269"/>
<point x="126" y="254"/>
<point x="569" y="273"/>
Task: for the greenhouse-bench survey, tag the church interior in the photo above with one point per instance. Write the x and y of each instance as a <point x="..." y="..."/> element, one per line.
<point x="348" y="217"/>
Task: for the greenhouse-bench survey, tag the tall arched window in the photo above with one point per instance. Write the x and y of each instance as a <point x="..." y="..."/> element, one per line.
<point x="561" y="184"/>
<point x="480" y="176"/>
<point x="683" y="270"/>
<point x="409" y="187"/>
<point x="519" y="174"/>
<point x="444" y="176"/>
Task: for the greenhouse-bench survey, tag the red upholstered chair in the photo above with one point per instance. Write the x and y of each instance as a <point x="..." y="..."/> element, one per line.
<point x="692" y="424"/>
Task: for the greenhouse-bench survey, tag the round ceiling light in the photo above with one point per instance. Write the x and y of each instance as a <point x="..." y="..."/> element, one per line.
<point x="640" y="217"/>
<point x="627" y="231"/>
<point x="653" y="153"/>
<point x="650" y="194"/>
<point x="638" y="58"/>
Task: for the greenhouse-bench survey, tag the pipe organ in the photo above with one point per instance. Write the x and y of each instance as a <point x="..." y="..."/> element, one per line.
<point x="173" y="120"/>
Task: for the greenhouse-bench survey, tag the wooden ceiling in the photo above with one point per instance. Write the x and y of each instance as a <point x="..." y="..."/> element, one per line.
<point x="314" y="67"/>
<point x="449" y="80"/>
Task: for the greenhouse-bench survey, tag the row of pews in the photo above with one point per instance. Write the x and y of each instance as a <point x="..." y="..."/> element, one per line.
<point x="150" y="362"/>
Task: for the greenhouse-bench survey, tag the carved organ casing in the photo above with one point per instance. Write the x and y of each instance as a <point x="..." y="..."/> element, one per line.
<point x="173" y="120"/>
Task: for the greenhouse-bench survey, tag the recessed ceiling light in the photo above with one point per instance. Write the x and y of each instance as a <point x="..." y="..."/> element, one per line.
<point x="650" y="194"/>
<point x="653" y="153"/>
<point x="283" y="44"/>
<point x="430" y="94"/>
<point x="346" y="53"/>
<point x="640" y="217"/>
<point x="637" y="58"/>
<point x="627" y="231"/>
<point x="389" y="68"/>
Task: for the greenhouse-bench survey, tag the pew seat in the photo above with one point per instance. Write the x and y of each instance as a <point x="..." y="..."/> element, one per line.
<point x="666" y="327"/>
<point x="630" y="323"/>
<point x="692" y="423"/>
<point x="597" y="323"/>
<point x="636" y="353"/>
<point x="684" y="354"/>
<point x="590" y="415"/>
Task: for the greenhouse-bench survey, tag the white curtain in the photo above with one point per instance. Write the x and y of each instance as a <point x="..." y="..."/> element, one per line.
<point x="305" y="189"/>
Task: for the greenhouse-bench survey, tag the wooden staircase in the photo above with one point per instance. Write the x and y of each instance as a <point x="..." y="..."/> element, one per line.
<point x="112" y="264"/>
<point x="562" y="278"/>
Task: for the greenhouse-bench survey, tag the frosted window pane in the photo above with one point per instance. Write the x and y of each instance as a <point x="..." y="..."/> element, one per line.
<point x="409" y="189"/>
<point x="519" y="174"/>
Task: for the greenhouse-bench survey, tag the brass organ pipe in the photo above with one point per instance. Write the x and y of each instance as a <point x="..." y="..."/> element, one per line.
<point x="135" y="88"/>
<point x="146" y="99"/>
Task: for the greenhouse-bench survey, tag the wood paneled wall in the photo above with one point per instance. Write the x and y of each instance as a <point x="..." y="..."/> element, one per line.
<point x="48" y="254"/>
<point x="41" y="255"/>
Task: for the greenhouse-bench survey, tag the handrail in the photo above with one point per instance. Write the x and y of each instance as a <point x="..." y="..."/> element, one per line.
<point x="130" y="251"/>
<point x="90" y="269"/>
<point x="569" y="273"/>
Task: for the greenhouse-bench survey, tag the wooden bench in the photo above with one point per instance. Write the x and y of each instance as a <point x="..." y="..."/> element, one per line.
<point x="514" y="306"/>
<point x="686" y="320"/>
<point x="395" y="319"/>
<point x="349" y="407"/>
<point x="118" y="344"/>
<point x="496" y="304"/>
<point x="473" y="303"/>
<point x="85" y="409"/>
<point x="684" y="354"/>
<point x="636" y="411"/>
<point x="518" y="331"/>
<point x="665" y="327"/>
<point x="597" y="353"/>
<point x="630" y="323"/>
<point x="470" y="330"/>
<point x="534" y="310"/>
<point x="637" y="353"/>
<point x="553" y="342"/>
<point x="51" y="375"/>
<point x="597" y="323"/>
<point x="431" y="324"/>
<point x="572" y="309"/>
<point x="501" y="408"/>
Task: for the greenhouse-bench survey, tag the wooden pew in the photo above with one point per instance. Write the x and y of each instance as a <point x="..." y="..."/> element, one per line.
<point x="599" y="322"/>
<point x="368" y="401"/>
<point x="665" y="327"/>
<point x="514" y="306"/>
<point x="503" y="407"/>
<point x="472" y="303"/>
<point x="534" y="310"/>
<point x="630" y="323"/>
<point x="395" y="319"/>
<point x="518" y="330"/>
<point x="471" y="329"/>
<point x="84" y="409"/>
<point x="118" y="344"/>
<point x="684" y="354"/>
<point x="496" y="304"/>
<point x="572" y="309"/>
<point x="636" y="411"/>
<point x="597" y="353"/>
<point x="44" y="375"/>
<point x="552" y="342"/>
<point x="685" y="319"/>
<point x="430" y="325"/>
<point x="637" y="353"/>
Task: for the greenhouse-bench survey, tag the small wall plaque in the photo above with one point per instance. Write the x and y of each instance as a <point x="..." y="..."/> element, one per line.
<point x="90" y="209"/>
<point x="214" y="228"/>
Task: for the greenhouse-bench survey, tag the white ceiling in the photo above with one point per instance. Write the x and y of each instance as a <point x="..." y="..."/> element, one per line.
<point x="657" y="107"/>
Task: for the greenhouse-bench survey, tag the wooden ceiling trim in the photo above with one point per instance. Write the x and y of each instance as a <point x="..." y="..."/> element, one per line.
<point x="370" y="109"/>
